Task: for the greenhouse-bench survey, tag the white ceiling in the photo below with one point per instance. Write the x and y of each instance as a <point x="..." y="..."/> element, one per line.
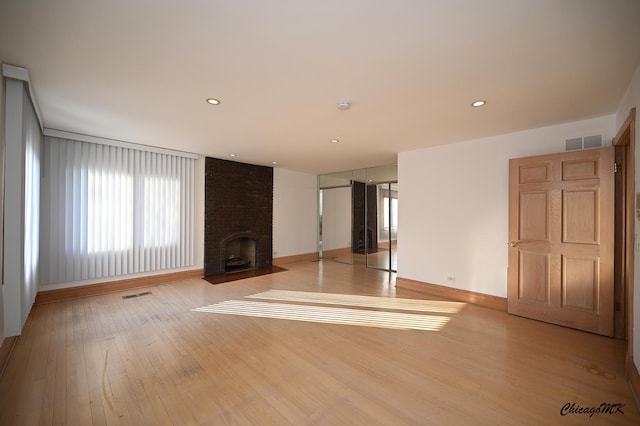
<point x="140" y="71"/>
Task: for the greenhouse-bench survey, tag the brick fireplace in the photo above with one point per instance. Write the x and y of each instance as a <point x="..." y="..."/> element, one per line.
<point x="238" y="216"/>
<point x="360" y="233"/>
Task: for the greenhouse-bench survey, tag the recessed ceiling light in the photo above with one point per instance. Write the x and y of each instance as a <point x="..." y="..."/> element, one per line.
<point x="232" y="155"/>
<point x="334" y="141"/>
<point x="274" y="162"/>
<point x="213" y="101"/>
<point x="478" y="103"/>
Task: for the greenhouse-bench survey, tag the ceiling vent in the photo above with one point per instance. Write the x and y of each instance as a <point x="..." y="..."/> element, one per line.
<point x="586" y="142"/>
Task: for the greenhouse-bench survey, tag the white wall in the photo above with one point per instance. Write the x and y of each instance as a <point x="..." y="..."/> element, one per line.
<point x="630" y="100"/>
<point x="295" y="212"/>
<point x="22" y="129"/>
<point x="453" y="218"/>
<point x="13" y="209"/>
<point x="336" y="218"/>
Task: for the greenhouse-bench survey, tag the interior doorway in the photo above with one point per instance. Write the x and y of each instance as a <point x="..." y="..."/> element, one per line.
<point x="626" y="203"/>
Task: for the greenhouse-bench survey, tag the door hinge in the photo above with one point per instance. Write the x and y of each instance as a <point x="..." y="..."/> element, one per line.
<point x="617" y="167"/>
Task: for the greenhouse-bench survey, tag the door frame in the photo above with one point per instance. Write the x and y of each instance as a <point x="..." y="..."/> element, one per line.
<point x="626" y="138"/>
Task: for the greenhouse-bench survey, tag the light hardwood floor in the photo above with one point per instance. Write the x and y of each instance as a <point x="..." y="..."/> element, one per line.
<point x="153" y="359"/>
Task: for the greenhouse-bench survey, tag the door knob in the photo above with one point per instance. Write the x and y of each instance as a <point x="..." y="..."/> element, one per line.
<point x="514" y="243"/>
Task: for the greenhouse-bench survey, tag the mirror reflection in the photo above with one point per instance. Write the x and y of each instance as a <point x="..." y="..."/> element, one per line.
<point x="359" y="217"/>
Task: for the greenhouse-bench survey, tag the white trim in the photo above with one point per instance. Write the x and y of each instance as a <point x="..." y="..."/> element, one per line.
<point x="22" y="74"/>
<point x="17" y="73"/>
<point x="114" y="142"/>
<point x="105" y="280"/>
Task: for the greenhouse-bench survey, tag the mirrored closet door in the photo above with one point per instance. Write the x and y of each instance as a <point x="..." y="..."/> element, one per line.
<point x="358" y="221"/>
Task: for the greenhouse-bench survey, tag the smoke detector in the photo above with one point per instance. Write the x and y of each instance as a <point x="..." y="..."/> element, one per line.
<point x="344" y="105"/>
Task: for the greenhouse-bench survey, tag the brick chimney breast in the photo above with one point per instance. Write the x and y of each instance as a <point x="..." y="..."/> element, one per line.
<point x="238" y="204"/>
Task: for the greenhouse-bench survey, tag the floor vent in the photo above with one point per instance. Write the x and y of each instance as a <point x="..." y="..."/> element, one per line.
<point x="586" y="142"/>
<point x="131" y="296"/>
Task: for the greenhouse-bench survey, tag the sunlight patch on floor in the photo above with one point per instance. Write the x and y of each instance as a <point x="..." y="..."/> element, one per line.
<point x="287" y="305"/>
<point x="328" y="315"/>
<point x="439" y="306"/>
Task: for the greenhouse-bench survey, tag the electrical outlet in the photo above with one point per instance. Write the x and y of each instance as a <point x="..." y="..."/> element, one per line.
<point x="451" y="277"/>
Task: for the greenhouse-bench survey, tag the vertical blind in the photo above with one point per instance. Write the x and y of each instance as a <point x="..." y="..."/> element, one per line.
<point x="112" y="210"/>
<point x="32" y="143"/>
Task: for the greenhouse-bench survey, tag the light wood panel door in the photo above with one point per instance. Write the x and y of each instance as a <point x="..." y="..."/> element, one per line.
<point x="561" y="232"/>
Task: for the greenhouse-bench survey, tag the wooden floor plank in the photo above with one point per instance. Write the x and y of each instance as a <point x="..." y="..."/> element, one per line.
<point x="154" y="359"/>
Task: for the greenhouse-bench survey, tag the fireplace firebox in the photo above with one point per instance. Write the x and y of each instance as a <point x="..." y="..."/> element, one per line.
<point x="240" y="254"/>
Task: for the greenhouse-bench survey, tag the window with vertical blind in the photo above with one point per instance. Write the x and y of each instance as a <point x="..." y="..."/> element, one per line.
<point x="113" y="210"/>
<point x="33" y="139"/>
<point x="390" y="217"/>
<point x="32" y="143"/>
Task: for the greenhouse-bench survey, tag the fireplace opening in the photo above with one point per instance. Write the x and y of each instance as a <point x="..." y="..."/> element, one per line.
<point x="369" y="244"/>
<point x="240" y="254"/>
